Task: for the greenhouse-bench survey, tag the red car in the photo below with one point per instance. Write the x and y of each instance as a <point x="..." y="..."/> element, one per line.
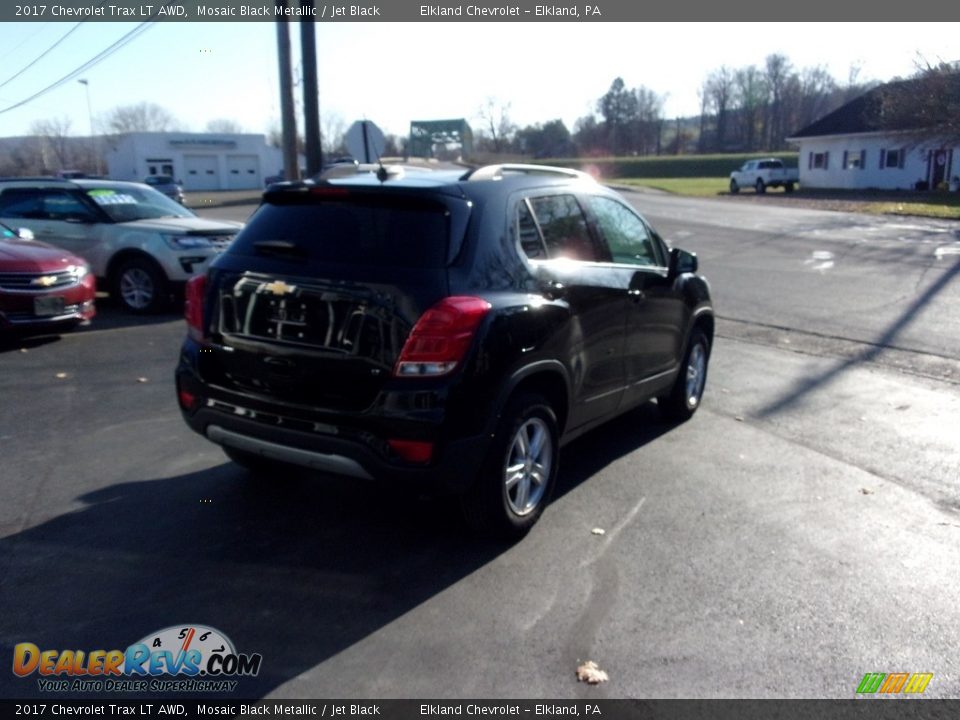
<point x="41" y="285"/>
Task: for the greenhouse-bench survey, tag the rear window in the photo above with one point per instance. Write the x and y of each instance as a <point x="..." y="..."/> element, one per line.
<point x="366" y="231"/>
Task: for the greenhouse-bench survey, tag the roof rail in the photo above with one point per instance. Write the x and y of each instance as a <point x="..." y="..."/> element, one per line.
<point x="497" y="172"/>
<point x="35" y="178"/>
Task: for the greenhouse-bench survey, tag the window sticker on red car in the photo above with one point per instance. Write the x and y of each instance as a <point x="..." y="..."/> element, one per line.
<point x="111" y="197"/>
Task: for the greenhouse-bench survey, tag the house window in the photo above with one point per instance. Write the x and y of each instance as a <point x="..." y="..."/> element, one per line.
<point x="818" y="161"/>
<point x="854" y="159"/>
<point x="891" y="158"/>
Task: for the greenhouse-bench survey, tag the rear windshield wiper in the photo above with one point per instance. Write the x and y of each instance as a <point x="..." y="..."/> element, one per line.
<point x="282" y="248"/>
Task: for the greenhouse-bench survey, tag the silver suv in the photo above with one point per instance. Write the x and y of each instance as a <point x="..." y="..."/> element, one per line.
<point x="143" y="245"/>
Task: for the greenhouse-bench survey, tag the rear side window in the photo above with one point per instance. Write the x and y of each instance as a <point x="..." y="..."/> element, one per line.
<point x="563" y="227"/>
<point x="365" y="231"/>
<point x="44" y="204"/>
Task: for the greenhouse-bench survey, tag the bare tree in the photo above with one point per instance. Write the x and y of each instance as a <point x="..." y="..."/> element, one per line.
<point x="588" y="136"/>
<point x="926" y="106"/>
<point x="750" y="95"/>
<point x="777" y="74"/>
<point x="21" y="156"/>
<point x="332" y="130"/>
<point x="720" y="91"/>
<point x="224" y="126"/>
<point x="817" y="90"/>
<point x="55" y="146"/>
<point x="142" y="117"/>
<point x="499" y="128"/>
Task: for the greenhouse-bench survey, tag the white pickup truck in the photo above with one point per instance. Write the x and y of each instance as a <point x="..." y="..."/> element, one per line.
<point x="761" y="174"/>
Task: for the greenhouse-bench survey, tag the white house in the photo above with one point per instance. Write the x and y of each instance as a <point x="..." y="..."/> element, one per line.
<point x="202" y="161"/>
<point x="845" y="149"/>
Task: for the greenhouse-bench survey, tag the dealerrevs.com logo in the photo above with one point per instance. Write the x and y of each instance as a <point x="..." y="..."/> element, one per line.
<point x="181" y="658"/>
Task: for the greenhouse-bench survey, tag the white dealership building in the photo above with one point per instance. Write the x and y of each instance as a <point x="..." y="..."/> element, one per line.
<point x="202" y="161"/>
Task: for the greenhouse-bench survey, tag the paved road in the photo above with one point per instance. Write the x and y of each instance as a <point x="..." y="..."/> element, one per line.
<point x="882" y="281"/>
<point x="802" y="530"/>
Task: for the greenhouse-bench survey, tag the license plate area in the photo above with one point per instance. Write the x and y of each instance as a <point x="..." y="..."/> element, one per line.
<point x="48" y="306"/>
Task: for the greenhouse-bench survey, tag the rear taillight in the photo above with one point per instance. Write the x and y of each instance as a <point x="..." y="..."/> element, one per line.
<point x="441" y="337"/>
<point x="414" y="451"/>
<point x="188" y="401"/>
<point x="193" y="306"/>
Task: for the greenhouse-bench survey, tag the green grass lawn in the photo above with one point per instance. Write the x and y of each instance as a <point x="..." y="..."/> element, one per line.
<point x="698" y="187"/>
<point x="949" y="210"/>
<point x="922" y="204"/>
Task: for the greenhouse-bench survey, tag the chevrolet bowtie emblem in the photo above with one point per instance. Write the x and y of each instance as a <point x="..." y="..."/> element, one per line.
<point x="44" y="280"/>
<point x="279" y="287"/>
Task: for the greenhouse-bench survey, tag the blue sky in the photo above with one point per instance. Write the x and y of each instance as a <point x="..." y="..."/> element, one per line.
<point x="395" y="73"/>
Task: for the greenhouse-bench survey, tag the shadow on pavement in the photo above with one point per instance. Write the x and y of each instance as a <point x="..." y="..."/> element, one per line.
<point x="886" y="339"/>
<point x="297" y="568"/>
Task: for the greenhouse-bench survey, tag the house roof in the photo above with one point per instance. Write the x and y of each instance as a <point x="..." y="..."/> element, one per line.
<point x="866" y="113"/>
<point x="860" y="115"/>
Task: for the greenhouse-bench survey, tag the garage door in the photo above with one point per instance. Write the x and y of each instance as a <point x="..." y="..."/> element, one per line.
<point x="201" y="172"/>
<point x="243" y="172"/>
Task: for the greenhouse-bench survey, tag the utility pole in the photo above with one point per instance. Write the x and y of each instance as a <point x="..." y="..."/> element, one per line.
<point x="288" y="118"/>
<point x="93" y="138"/>
<point x="311" y="91"/>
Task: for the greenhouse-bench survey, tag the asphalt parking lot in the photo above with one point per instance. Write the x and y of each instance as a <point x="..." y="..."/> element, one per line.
<point x="801" y="530"/>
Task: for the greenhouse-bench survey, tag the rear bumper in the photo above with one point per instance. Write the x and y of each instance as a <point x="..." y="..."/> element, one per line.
<point x="357" y="450"/>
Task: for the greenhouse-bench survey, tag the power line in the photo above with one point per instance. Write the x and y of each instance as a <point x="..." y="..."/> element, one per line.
<point x="103" y="55"/>
<point x="40" y="28"/>
<point x="40" y="56"/>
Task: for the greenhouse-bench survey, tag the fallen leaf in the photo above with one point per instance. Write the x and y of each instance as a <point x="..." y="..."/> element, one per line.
<point x="599" y="531"/>
<point x="591" y="673"/>
<point x="864" y="491"/>
<point x="738" y="418"/>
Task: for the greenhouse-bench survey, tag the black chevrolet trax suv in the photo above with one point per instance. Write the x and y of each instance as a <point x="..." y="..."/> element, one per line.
<point x="440" y="327"/>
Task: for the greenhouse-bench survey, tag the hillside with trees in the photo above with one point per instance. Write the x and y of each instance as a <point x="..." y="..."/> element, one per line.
<point x="742" y="110"/>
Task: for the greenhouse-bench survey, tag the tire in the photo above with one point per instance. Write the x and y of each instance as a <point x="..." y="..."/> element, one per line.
<point x="761" y="187"/>
<point x="140" y="286"/>
<point x="788" y="187"/>
<point x="734" y="188"/>
<point x="508" y="496"/>
<point x="687" y="391"/>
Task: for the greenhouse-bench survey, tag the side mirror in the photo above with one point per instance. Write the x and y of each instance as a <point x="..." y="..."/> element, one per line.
<point x="25" y="234"/>
<point x="682" y="262"/>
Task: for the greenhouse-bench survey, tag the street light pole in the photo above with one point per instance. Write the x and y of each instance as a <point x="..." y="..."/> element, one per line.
<point x="93" y="139"/>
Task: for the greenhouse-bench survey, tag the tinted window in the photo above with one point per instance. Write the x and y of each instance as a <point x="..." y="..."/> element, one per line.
<point x="400" y="232"/>
<point x="21" y="203"/>
<point x="564" y="227"/>
<point x="529" y="233"/>
<point x="625" y="233"/>
<point x="65" y="206"/>
<point x="40" y="204"/>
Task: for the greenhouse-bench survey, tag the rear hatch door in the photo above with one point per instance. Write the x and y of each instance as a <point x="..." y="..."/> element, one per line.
<point x="313" y="301"/>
